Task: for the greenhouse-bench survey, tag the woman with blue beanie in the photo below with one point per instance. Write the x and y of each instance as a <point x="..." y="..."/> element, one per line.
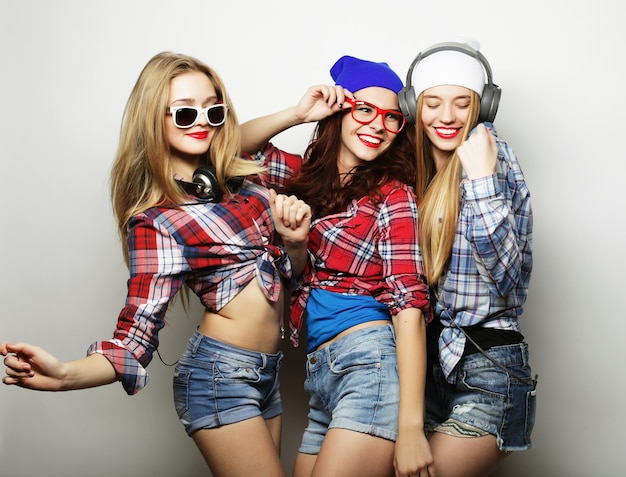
<point x="476" y="240"/>
<point x="361" y="287"/>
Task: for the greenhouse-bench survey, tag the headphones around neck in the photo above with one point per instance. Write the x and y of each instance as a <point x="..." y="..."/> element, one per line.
<point x="205" y="185"/>
<point x="489" y="100"/>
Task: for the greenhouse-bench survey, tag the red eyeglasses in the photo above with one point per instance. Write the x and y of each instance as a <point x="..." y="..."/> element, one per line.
<point x="364" y="113"/>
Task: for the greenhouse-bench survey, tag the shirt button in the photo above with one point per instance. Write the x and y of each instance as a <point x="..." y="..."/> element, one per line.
<point x="313" y="360"/>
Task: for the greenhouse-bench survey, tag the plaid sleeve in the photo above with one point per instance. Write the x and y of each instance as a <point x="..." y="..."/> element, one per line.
<point x="280" y="165"/>
<point x="400" y="252"/>
<point x="132" y="375"/>
<point x="496" y="219"/>
<point x="157" y="269"/>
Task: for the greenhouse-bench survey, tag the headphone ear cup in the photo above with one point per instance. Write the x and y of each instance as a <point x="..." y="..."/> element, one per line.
<point x="408" y="104"/>
<point x="207" y="178"/>
<point x="489" y="103"/>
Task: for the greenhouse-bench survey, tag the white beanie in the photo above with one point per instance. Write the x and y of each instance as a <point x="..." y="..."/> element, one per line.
<point x="450" y="67"/>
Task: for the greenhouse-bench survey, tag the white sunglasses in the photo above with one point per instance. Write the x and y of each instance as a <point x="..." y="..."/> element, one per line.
<point x="186" y="116"/>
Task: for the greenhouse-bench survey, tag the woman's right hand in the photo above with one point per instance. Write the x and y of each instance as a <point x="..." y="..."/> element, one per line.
<point x="31" y="367"/>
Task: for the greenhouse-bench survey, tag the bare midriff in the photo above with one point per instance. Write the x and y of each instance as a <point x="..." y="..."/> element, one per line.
<point x="249" y="321"/>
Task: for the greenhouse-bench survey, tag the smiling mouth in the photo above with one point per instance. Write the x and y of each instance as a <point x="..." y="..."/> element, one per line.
<point x="447" y="133"/>
<point x="370" y="140"/>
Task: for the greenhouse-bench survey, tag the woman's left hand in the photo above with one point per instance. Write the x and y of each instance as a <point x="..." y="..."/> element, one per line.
<point x="479" y="154"/>
<point x="292" y="217"/>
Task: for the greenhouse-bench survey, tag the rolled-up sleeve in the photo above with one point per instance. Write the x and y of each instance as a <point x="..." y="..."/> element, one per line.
<point x="157" y="269"/>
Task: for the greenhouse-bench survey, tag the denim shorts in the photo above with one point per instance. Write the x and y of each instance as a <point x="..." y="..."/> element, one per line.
<point x="353" y="384"/>
<point x="216" y="384"/>
<point x="486" y="397"/>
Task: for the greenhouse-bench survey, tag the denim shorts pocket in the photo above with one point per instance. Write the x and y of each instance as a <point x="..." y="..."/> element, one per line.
<point x="489" y="381"/>
<point x="230" y="370"/>
<point x="181" y="391"/>
<point x="531" y="409"/>
<point x="356" y="359"/>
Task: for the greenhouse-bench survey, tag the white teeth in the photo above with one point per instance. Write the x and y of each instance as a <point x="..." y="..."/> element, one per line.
<point x="371" y="139"/>
<point x="446" y="131"/>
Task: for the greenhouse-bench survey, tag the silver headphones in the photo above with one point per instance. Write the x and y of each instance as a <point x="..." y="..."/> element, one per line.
<point x="489" y="100"/>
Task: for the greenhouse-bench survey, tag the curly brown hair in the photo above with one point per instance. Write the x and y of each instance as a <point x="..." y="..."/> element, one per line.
<point x="321" y="186"/>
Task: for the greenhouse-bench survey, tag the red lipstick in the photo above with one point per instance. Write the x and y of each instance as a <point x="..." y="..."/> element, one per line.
<point x="447" y="133"/>
<point x="199" y="135"/>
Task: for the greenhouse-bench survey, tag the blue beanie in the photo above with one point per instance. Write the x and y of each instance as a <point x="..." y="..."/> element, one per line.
<point x="355" y="74"/>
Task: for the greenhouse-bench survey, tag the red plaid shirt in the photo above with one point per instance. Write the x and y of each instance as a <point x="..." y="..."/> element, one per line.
<point x="216" y="249"/>
<point x="366" y="250"/>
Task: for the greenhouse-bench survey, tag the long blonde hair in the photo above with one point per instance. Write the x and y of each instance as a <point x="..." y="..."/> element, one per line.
<point x="142" y="174"/>
<point x="439" y="196"/>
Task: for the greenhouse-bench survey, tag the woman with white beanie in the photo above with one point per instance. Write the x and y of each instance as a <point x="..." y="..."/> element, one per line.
<point x="475" y="223"/>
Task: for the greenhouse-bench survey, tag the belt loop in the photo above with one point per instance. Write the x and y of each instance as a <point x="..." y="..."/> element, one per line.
<point x="524" y="351"/>
<point x="196" y="340"/>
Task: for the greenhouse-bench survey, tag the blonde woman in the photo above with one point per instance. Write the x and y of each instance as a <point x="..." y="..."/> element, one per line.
<point x="191" y="213"/>
<point x="475" y="221"/>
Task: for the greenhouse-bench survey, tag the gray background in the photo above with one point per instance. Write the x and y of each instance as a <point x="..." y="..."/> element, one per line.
<point x="67" y="69"/>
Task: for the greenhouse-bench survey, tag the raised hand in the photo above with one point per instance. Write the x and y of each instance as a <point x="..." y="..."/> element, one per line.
<point x="321" y="101"/>
<point x="479" y="154"/>
<point x="292" y="219"/>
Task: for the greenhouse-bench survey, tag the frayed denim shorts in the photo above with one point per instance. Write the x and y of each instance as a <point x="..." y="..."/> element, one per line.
<point x="216" y="384"/>
<point x="486" y="397"/>
<point x="353" y="384"/>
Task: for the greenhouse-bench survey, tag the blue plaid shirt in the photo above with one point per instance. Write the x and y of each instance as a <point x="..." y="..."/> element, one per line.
<point x="487" y="279"/>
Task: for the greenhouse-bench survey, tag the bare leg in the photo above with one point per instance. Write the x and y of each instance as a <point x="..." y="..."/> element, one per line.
<point x="275" y="426"/>
<point x="246" y="448"/>
<point x="304" y="464"/>
<point x="347" y="453"/>
<point x="465" y="456"/>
